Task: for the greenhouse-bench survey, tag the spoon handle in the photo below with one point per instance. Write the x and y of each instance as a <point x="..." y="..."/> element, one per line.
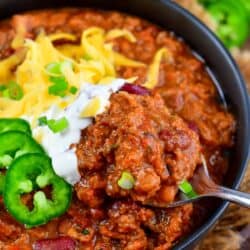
<point x="234" y="196"/>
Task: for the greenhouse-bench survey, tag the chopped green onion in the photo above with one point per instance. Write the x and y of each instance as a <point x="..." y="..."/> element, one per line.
<point x="42" y="121"/>
<point x="187" y="189"/>
<point x="3" y="87"/>
<point x="6" y="93"/>
<point x="13" y="91"/>
<point x="57" y="68"/>
<point x="73" y="90"/>
<point x="5" y="160"/>
<point x="59" y="81"/>
<point x="59" y="87"/>
<point x="53" y="69"/>
<point x="58" y="125"/>
<point x="85" y="231"/>
<point x="126" y="181"/>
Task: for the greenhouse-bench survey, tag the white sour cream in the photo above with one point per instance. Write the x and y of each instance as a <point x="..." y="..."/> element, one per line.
<point x="58" y="145"/>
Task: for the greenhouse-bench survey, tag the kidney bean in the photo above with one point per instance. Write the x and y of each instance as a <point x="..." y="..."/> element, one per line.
<point x="194" y="127"/>
<point x="135" y="89"/>
<point x="62" y="243"/>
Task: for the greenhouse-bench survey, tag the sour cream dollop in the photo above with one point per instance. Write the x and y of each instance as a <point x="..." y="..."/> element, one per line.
<point x="60" y="146"/>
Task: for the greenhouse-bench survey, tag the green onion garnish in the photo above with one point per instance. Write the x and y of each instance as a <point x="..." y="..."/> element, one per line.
<point x="73" y="90"/>
<point x="57" y="68"/>
<point x="85" y="231"/>
<point x="55" y="72"/>
<point x="13" y="91"/>
<point x="187" y="189"/>
<point x="59" y="81"/>
<point x="53" y="69"/>
<point x="58" y="125"/>
<point x="59" y="87"/>
<point x="42" y="121"/>
<point x="5" y="160"/>
<point x="3" y="87"/>
<point x="6" y="94"/>
<point x="126" y="181"/>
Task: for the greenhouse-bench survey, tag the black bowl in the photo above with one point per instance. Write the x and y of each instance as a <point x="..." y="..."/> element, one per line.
<point x="172" y="17"/>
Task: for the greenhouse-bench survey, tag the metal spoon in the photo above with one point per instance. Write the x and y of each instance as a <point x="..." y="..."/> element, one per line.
<point x="204" y="186"/>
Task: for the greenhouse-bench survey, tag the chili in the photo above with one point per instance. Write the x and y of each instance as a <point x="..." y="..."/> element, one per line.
<point x="127" y="137"/>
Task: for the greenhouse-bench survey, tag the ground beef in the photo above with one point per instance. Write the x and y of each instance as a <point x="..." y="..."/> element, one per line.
<point x="156" y="147"/>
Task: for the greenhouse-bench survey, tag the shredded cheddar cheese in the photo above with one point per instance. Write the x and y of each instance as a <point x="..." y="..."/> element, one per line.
<point x="62" y="36"/>
<point x="18" y="40"/>
<point x="8" y="64"/>
<point x="154" y="68"/>
<point x="92" y="108"/>
<point x="93" y="61"/>
<point x="33" y="56"/>
<point x="116" y="33"/>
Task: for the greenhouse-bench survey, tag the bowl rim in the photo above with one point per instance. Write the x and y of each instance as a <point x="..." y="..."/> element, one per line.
<point x="198" y="233"/>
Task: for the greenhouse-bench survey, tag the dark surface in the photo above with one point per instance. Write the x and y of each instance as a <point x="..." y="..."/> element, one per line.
<point x="172" y="17"/>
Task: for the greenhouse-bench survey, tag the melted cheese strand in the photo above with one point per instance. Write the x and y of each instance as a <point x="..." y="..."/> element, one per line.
<point x="116" y="33"/>
<point x="154" y="68"/>
<point x="62" y="36"/>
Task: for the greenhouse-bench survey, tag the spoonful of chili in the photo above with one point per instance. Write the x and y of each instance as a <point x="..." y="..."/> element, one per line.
<point x="200" y="186"/>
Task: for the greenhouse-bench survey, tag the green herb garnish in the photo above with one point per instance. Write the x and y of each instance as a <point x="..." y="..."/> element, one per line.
<point x="126" y="181"/>
<point x="73" y="90"/>
<point x="57" y="68"/>
<point x="187" y="189"/>
<point x="53" y="69"/>
<point x="59" y="87"/>
<point x="3" y="87"/>
<point x="12" y="91"/>
<point x="42" y="121"/>
<point x="58" y="125"/>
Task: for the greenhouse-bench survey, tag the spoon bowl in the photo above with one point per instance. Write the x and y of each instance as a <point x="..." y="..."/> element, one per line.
<point x="204" y="186"/>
